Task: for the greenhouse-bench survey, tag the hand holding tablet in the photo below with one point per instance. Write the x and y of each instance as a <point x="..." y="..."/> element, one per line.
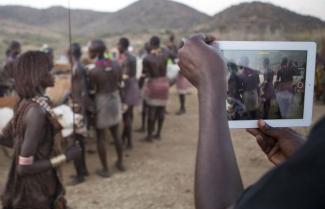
<point x="278" y="144"/>
<point x="272" y="81"/>
<point x="269" y="80"/>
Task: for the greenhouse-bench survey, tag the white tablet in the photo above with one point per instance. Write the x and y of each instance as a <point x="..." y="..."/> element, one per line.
<point x="273" y="81"/>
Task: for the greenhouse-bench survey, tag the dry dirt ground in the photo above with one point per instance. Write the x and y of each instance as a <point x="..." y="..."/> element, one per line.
<point x="159" y="175"/>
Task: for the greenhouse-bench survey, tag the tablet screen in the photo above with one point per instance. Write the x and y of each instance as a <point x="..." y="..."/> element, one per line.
<point x="265" y="84"/>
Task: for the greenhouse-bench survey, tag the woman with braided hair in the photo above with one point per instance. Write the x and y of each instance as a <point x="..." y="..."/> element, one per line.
<point x="34" y="135"/>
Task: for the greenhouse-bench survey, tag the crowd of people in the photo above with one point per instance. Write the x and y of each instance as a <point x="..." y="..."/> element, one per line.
<point x="104" y="92"/>
<point x="267" y="93"/>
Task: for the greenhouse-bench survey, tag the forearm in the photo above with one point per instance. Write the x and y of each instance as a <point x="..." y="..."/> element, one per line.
<point x="218" y="183"/>
<point x="40" y="166"/>
<point x="35" y="168"/>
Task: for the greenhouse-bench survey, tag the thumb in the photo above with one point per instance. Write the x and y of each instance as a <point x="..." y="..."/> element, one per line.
<point x="268" y="130"/>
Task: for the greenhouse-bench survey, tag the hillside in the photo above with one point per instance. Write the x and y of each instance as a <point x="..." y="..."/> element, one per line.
<point x="53" y="18"/>
<point x="153" y="14"/>
<point x="146" y="17"/>
<point x="143" y="15"/>
<point x="160" y="15"/>
<point x="258" y="17"/>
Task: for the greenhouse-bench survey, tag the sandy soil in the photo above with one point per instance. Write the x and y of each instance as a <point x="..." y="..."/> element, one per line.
<point x="159" y="175"/>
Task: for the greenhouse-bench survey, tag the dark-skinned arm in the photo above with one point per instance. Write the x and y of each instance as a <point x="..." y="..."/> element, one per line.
<point x="36" y="123"/>
<point x="144" y="72"/>
<point x="92" y="82"/>
<point x="119" y="72"/>
<point x="217" y="181"/>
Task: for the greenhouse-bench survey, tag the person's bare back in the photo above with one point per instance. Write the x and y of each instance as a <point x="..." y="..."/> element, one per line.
<point x="155" y="63"/>
<point x="105" y="77"/>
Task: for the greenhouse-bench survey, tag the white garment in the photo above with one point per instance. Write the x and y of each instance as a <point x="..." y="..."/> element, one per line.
<point x="284" y="99"/>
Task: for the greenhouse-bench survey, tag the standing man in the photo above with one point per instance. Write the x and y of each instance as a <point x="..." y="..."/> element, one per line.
<point x="105" y="79"/>
<point x="182" y="84"/>
<point x="142" y="85"/>
<point x="13" y="52"/>
<point x="79" y="96"/>
<point x="250" y="85"/>
<point x="284" y="94"/>
<point x="130" y="90"/>
<point x="6" y="75"/>
<point x="233" y="94"/>
<point x="156" y="92"/>
<point x="267" y="87"/>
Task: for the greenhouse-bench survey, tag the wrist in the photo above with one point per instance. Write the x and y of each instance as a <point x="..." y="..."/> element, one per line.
<point x="213" y="80"/>
<point x="214" y="89"/>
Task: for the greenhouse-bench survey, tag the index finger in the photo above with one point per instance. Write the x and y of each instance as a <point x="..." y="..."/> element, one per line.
<point x="269" y="130"/>
<point x="187" y="43"/>
<point x="196" y="38"/>
<point x="253" y="131"/>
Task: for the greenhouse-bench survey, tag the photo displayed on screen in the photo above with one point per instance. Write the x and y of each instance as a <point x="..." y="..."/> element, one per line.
<point x="267" y="84"/>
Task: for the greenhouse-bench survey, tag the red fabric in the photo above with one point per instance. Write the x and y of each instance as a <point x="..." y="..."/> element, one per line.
<point x="157" y="88"/>
<point x="104" y="63"/>
<point x="182" y="83"/>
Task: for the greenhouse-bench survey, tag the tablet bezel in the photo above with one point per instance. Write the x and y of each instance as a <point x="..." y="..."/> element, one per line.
<point x="310" y="48"/>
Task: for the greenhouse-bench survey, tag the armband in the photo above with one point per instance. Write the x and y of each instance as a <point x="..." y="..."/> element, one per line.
<point x="56" y="161"/>
<point x="25" y="160"/>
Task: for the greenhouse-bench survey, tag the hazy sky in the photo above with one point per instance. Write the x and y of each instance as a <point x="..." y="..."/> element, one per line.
<point x="310" y="7"/>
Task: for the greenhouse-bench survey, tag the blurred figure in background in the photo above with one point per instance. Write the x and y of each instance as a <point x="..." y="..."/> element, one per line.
<point x="13" y="52"/>
<point x="6" y="73"/>
<point x="182" y="84"/>
<point x="142" y="82"/>
<point x="130" y="88"/>
<point x="105" y="80"/>
<point x="267" y="87"/>
<point x="250" y="86"/>
<point x="157" y="87"/>
<point x="233" y="93"/>
<point x="284" y="94"/>
<point x="79" y="98"/>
